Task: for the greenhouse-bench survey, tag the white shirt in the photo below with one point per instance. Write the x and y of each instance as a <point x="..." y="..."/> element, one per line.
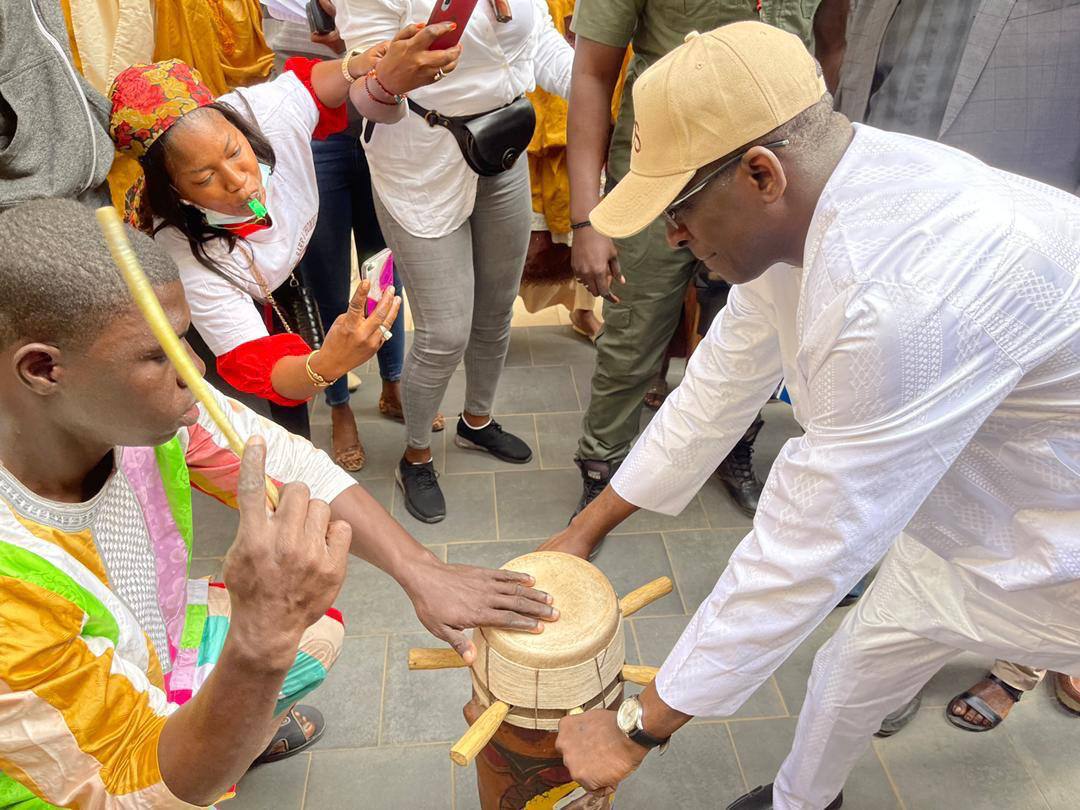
<point x="417" y="170"/>
<point x="932" y="350"/>
<point x="288" y="10"/>
<point x="224" y="312"/>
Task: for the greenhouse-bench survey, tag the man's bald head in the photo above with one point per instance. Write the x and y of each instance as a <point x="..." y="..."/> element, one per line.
<point x="58" y="283"/>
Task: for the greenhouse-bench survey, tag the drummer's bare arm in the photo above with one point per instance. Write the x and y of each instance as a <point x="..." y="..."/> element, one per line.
<point x="592" y="524"/>
<point x="448" y="598"/>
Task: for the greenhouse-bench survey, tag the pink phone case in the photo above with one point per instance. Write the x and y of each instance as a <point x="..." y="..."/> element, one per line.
<point x="381" y="278"/>
<point x="457" y="11"/>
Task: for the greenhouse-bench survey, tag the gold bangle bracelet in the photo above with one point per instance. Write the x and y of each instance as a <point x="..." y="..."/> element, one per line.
<point x="317" y="379"/>
<point x="345" y="65"/>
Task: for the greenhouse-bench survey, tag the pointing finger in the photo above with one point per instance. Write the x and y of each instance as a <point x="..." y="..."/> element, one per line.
<point x="251" y="488"/>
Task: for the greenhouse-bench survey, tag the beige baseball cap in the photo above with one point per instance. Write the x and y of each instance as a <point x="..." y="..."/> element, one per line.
<point x="714" y="93"/>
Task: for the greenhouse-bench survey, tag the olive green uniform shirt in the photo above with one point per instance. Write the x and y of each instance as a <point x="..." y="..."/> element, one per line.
<point x="655" y="27"/>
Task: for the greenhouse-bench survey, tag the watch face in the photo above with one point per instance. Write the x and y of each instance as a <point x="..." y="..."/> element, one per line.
<point x="627" y="718"/>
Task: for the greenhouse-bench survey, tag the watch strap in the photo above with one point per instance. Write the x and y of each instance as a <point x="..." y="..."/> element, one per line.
<point x="645" y="739"/>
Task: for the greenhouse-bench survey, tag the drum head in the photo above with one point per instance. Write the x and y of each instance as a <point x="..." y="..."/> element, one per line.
<point x="588" y="613"/>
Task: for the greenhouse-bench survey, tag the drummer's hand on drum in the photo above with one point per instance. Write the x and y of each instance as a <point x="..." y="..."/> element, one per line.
<point x="353" y="339"/>
<point x="597" y="754"/>
<point x="450" y="599"/>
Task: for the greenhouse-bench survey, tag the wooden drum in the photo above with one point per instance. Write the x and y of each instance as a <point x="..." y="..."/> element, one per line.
<point x="525" y="683"/>
<point x="576" y="663"/>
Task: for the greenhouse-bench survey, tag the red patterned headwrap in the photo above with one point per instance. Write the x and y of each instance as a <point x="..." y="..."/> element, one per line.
<point x="146" y="101"/>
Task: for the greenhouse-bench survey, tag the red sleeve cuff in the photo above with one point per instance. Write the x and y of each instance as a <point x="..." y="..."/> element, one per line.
<point x="332" y="120"/>
<point x="248" y="367"/>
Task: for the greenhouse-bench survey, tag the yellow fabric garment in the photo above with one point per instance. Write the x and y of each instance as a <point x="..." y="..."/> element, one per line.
<point x="223" y="39"/>
<point x="112" y="34"/>
<point x="109" y="35"/>
<point x="547" y="151"/>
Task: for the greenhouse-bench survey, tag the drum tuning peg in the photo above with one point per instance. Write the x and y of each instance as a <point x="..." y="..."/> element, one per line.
<point x="642" y="676"/>
<point x="645" y="595"/>
<point x="434" y="658"/>
<point x="480" y="733"/>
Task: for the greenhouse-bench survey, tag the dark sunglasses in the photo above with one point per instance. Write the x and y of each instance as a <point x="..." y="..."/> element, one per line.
<point x="671" y="213"/>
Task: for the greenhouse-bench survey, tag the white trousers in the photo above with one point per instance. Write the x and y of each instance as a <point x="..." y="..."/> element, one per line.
<point x="919" y="612"/>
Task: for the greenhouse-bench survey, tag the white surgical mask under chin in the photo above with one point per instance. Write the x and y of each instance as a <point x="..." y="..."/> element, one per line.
<point x="216" y="219"/>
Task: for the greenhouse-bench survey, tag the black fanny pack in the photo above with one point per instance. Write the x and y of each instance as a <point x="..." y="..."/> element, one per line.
<point x="491" y="142"/>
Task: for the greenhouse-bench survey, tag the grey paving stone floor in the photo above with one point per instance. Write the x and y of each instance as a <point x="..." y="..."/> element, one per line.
<point x="389" y="730"/>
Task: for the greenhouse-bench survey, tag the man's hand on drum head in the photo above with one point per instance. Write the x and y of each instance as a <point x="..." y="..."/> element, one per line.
<point x="450" y="599"/>
<point x="597" y="754"/>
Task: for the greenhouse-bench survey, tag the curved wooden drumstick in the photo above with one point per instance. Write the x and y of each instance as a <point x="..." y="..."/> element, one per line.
<point x="646" y="594"/>
<point x="147" y="302"/>
<point x="434" y="658"/>
<point x="640" y="675"/>
<point x="480" y="733"/>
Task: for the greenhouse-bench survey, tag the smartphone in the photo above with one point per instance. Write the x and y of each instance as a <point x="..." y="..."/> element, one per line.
<point x="456" y="11"/>
<point x="319" y="22"/>
<point x="379" y="270"/>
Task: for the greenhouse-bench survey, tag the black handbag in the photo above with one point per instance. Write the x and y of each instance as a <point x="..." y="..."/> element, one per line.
<point x="296" y="311"/>
<point x="490" y="142"/>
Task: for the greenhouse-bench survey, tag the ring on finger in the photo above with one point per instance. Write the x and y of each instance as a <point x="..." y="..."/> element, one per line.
<point x="386" y="333"/>
<point x="440" y="74"/>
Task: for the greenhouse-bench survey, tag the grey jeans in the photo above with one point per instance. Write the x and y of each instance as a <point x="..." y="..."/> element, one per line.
<point x="461" y="289"/>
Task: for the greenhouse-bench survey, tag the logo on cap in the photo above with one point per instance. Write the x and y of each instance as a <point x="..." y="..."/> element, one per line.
<point x="637" y="137"/>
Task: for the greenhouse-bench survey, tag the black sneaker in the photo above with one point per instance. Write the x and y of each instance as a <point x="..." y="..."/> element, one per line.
<point x="595" y="475"/>
<point x="420" y="485"/>
<point x="493" y="439"/>
<point x="736" y="472"/>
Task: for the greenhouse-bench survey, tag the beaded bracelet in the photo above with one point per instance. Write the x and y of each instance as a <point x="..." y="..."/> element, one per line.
<point x="375" y="98"/>
<point x="398" y="97"/>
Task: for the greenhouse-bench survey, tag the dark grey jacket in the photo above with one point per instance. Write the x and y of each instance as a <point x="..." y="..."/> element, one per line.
<point x="54" y="139"/>
<point x="1016" y="100"/>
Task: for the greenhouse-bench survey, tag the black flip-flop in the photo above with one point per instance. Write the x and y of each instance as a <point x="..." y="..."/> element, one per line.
<point x="291" y="733"/>
<point x="981" y="706"/>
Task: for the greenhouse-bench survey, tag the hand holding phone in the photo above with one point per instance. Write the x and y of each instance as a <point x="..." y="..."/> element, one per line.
<point x="455" y="11"/>
<point x="408" y="61"/>
<point x="319" y="22"/>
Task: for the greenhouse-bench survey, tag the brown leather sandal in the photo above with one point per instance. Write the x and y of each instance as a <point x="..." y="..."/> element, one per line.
<point x="392" y="410"/>
<point x="352" y="458"/>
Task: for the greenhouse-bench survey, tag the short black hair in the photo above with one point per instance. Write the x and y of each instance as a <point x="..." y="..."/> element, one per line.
<point x="58" y="282"/>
